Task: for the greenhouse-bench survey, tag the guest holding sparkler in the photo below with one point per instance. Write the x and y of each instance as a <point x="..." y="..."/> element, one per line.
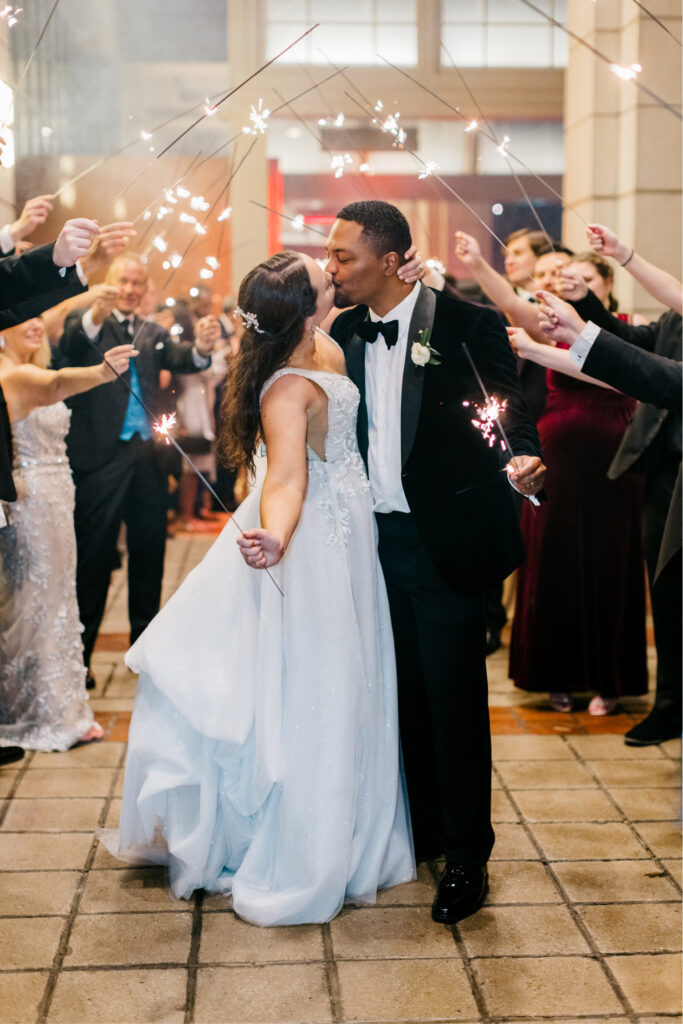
<point x="118" y="474"/>
<point x="43" y="704"/>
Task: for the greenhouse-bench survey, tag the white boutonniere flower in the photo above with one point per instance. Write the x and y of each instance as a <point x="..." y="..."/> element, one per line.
<point x="422" y="353"/>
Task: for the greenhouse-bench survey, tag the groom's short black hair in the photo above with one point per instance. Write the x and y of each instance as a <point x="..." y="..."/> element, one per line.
<point x="384" y="227"/>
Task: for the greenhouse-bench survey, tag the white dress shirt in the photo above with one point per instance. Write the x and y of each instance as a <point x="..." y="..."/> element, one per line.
<point x="578" y="353"/>
<point x="383" y="387"/>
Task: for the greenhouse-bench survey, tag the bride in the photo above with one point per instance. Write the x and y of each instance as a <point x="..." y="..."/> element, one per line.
<point x="263" y="754"/>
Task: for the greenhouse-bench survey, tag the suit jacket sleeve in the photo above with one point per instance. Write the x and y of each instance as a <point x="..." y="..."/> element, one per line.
<point x="177" y="355"/>
<point x="74" y="349"/>
<point x="591" y="308"/>
<point x="31" y="283"/>
<point x="644" y="375"/>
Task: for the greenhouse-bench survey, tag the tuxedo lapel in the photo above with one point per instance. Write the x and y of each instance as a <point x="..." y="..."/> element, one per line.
<point x="355" y="365"/>
<point x="413" y="376"/>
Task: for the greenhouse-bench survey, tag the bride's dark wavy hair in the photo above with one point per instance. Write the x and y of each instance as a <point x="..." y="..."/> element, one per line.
<point x="280" y="294"/>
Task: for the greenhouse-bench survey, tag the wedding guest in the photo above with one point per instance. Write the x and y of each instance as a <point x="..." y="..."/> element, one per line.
<point x="651" y="447"/>
<point x="521" y="249"/>
<point x="44" y="704"/>
<point x="597" y="274"/>
<point x="118" y="473"/>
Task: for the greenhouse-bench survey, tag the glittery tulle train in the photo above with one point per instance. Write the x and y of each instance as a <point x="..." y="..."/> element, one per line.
<point x="263" y="754"/>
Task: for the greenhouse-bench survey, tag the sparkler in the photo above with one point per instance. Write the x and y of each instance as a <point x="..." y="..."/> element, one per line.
<point x="297" y="222"/>
<point x="204" y="115"/>
<point x="162" y="428"/>
<point x="10" y="13"/>
<point x="606" y="60"/>
<point x="660" y="23"/>
<point x="339" y="162"/>
<point x="489" y="414"/>
<point x="259" y="120"/>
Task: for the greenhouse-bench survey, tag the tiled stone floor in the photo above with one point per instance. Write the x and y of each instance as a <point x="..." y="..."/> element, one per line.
<point x="582" y="922"/>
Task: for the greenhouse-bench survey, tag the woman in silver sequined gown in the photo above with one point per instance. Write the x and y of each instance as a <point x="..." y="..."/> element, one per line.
<point x="43" y="701"/>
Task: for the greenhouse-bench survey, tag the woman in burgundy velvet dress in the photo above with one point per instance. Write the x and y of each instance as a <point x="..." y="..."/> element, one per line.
<point x="580" y="612"/>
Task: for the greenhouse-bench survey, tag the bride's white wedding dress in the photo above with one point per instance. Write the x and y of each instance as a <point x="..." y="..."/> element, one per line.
<point x="264" y="754"/>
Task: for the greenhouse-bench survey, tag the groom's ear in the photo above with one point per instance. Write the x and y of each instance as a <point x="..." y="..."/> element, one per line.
<point x="391" y="262"/>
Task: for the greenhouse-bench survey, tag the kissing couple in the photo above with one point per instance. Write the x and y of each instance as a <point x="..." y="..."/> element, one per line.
<point x="264" y="754"/>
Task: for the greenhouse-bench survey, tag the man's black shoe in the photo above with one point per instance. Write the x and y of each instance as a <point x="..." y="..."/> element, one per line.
<point x="10" y="754"/>
<point x="90" y="681"/>
<point x="462" y="890"/>
<point x="492" y="641"/>
<point x="656" y="728"/>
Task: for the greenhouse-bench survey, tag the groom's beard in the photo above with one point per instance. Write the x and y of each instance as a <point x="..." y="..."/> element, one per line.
<point x="341" y="299"/>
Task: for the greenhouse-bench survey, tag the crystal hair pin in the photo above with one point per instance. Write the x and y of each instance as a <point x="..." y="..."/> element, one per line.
<point x="249" y="320"/>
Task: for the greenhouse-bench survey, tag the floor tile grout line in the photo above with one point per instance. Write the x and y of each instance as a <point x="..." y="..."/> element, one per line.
<point x="332" y="982"/>
<point x="7" y="800"/>
<point x="627" y="820"/>
<point x="580" y="924"/>
<point x="193" y="957"/>
<point x="62" y="946"/>
<point x="465" y="959"/>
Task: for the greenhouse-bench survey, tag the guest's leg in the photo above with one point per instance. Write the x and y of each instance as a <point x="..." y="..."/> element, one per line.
<point x="100" y="496"/>
<point x="145" y="518"/>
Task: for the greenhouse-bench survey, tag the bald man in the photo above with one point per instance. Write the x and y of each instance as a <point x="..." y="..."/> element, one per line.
<point x="118" y="474"/>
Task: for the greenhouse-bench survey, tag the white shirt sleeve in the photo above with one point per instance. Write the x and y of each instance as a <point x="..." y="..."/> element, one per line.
<point x="91" y="330"/>
<point x="578" y="353"/>
<point x="6" y="240"/>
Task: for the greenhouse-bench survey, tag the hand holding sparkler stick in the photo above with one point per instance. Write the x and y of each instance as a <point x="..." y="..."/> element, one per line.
<point x="207" y="333"/>
<point x="74" y="241"/>
<point x="35" y="212"/>
<point x="111" y="240"/>
<point x="260" y="548"/>
<point x="116" y="361"/>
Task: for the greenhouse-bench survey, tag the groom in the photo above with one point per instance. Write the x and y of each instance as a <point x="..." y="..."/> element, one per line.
<point x="446" y="521"/>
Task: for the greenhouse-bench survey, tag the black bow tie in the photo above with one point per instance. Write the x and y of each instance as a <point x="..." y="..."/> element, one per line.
<point x="369" y="329"/>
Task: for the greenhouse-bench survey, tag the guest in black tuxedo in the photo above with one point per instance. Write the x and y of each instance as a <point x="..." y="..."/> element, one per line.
<point x="652" y="446"/>
<point x="118" y="473"/>
<point x="446" y="518"/>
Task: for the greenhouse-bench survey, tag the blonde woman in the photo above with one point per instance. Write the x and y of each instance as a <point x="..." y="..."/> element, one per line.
<point x="43" y="702"/>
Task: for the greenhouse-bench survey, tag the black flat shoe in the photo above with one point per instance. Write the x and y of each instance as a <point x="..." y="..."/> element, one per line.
<point x="10" y="754"/>
<point x="90" y="682"/>
<point x="656" y="728"/>
<point x="461" y="892"/>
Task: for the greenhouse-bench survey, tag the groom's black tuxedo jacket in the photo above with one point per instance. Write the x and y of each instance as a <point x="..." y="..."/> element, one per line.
<point x="454" y="482"/>
<point x="97" y="416"/>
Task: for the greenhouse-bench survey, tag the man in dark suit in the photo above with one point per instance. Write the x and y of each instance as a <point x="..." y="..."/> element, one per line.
<point x="117" y="470"/>
<point x="652" y="446"/>
<point x="446" y="519"/>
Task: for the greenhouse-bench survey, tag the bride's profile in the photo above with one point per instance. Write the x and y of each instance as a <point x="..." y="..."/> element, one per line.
<point x="263" y="754"/>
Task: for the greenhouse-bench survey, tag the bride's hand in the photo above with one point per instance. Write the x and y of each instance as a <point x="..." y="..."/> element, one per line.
<point x="259" y="548"/>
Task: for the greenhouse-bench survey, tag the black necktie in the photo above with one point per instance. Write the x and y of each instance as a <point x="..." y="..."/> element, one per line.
<point x="369" y="329"/>
<point x="127" y="324"/>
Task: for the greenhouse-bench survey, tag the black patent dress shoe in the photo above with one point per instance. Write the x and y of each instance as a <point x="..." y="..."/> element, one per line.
<point x="90" y="681"/>
<point x="461" y="892"/>
<point x="656" y="728"/>
<point x="10" y="754"/>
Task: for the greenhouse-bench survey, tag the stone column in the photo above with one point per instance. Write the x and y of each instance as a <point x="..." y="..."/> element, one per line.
<point x="623" y="158"/>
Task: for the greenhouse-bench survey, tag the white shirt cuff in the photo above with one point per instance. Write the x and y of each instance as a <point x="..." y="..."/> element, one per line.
<point x="200" y="361"/>
<point x="578" y="353"/>
<point x="6" y="240"/>
<point x="91" y="330"/>
<point x="81" y="274"/>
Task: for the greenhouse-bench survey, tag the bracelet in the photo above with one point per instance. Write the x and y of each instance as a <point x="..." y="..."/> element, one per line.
<point x="628" y="260"/>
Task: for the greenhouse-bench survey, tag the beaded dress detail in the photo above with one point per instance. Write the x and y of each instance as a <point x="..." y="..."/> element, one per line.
<point x="263" y="756"/>
<point x="43" y="701"/>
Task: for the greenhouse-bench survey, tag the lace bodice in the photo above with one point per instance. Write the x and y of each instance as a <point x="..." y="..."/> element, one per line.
<point x="338" y="479"/>
<point x="39" y="439"/>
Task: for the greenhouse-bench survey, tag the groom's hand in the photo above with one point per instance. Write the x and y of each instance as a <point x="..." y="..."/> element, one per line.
<point x="526" y="474"/>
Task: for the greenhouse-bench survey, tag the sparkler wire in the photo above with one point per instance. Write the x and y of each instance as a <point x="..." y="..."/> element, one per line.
<point x="532" y="498"/>
<point x="660" y="23"/>
<point x="175" y="444"/>
<point x="601" y="56"/>
<point x="28" y="63"/>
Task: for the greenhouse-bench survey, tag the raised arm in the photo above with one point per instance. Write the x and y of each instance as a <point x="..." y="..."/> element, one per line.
<point x="497" y="287"/>
<point x="27" y="387"/>
<point x="549" y="356"/>
<point x="284" y="418"/>
<point x="662" y="285"/>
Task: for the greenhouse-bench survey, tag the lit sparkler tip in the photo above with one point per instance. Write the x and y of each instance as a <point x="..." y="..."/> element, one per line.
<point x="379" y="106"/>
<point x="163" y="429"/>
<point x="428" y="169"/>
<point x="225" y="214"/>
<point x="503" y="148"/>
<point x="183" y="193"/>
<point x="298" y="222"/>
<point x="187" y="218"/>
<point x="46" y="131"/>
<point x="628" y="74"/>
<point x="339" y="162"/>
<point x="205" y="273"/>
<point x="145" y="136"/>
<point x="10" y="14"/>
<point x="472" y="126"/>
<point x="147" y="215"/>
<point x="199" y="203"/>
<point x="200" y="229"/>
<point x="159" y="243"/>
<point x="212" y="262"/>
<point x="208" y="107"/>
<point x="339" y="120"/>
<point x="259" y="120"/>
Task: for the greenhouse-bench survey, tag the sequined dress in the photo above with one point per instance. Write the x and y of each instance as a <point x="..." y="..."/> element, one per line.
<point x="43" y="701"/>
<point x="263" y="755"/>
